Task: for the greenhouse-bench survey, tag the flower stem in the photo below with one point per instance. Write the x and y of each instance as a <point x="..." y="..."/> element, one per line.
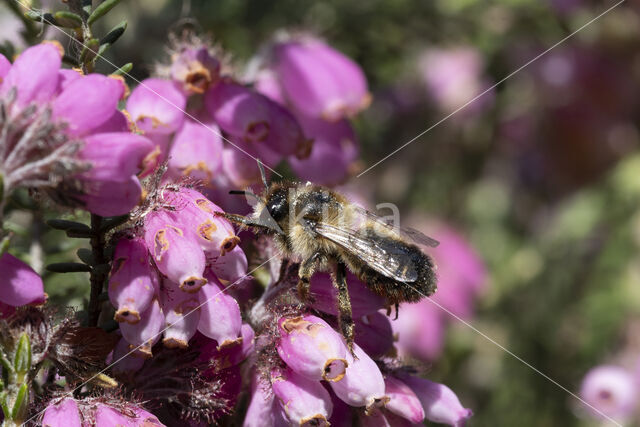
<point x="98" y="275"/>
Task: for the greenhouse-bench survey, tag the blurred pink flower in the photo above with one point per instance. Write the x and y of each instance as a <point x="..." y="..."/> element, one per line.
<point x="610" y="389"/>
<point x="21" y="284"/>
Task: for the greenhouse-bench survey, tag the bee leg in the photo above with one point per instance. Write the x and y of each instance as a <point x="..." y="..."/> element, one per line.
<point x="305" y="271"/>
<point x="345" y="319"/>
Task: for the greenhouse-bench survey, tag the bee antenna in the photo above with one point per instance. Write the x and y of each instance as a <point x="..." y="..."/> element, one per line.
<point x="263" y="174"/>
<point x="245" y="193"/>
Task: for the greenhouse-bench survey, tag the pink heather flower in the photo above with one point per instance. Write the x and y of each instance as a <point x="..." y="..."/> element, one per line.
<point x="230" y="355"/>
<point x="319" y="81"/>
<point x="181" y="315"/>
<point x="21" y="285"/>
<point x="195" y="214"/>
<point x="175" y="251"/>
<point x="454" y="77"/>
<point x="363" y="383"/>
<point x="196" y="151"/>
<point x="260" y="411"/>
<point x="403" y="401"/>
<point x="610" y="389"/>
<point x="334" y="144"/>
<point x="419" y="330"/>
<point x="363" y="300"/>
<point x="374" y="334"/>
<point x="57" y="125"/>
<point x="62" y="413"/>
<point x="107" y="416"/>
<point x="194" y="69"/>
<point x="147" y="331"/>
<point x="123" y="362"/>
<point x="310" y="347"/>
<point x="219" y="315"/>
<point x="240" y="166"/>
<point x="157" y="106"/>
<point x="440" y="403"/>
<point x="305" y="402"/>
<point x="230" y="267"/>
<point x="132" y="283"/>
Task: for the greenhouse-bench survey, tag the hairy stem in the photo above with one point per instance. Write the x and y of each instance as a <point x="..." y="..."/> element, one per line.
<point x="98" y="275"/>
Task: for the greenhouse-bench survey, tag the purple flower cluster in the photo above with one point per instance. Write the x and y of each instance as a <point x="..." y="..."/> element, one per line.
<point x="62" y="132"/>
<point x="170" y="279"/>
<point x="76" y="413"/>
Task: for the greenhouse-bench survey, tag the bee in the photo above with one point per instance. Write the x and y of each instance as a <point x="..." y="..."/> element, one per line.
<point x="326" y="232"/>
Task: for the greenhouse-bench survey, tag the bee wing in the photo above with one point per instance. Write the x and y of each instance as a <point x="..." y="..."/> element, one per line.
<point x="381" y="255"/>
<point x="408" y="232"/>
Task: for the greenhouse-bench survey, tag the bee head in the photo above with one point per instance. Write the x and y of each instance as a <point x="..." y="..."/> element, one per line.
<point x="277" y="203"/>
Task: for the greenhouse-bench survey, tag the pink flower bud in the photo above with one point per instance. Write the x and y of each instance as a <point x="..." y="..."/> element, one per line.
<point x="239" y="111"/>
<point x="219" y="315"/>
<point x="196" y="151"/>
<point x="176" y="252"/>
<point x="110" y="198"/>
<point x="309" y="346"/>
<point x="402" y="400"/>
<point x="147" y="331"/>
<point x="305" y="402"/>
<point x="123" y="361"/>
<point x="21" y="284"/>
<point x="115" y="156"/>
<point x="181" y="315"/>
<point x="334" y="144"/>
<point x="195" y="69"/>
<point x="62" y="413"/>
<point x="320" y="81"/>
<point x="132" y="283"/>
<point x="363" y="300"/>
<point x="373" y="333"/>
<point x="156" y="106"/>
<point x="440" y="403"/>
<point x="107" y="416"/>
<point x="610" y="389"/>
<point x="363" y="384"/>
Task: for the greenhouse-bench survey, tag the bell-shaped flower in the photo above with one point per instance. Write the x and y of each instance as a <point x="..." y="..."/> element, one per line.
<point x="195" y="69"/>
<point x="175" y="251"/>
<point x="228" y="356"/>
<point x="62" y="413"/>
<point x="309" y="346"/>
<point x="612" y="390"/>
<point x="320" y="81"/>
<point x="363" y="383"/>
<point x="131" y="416"/>
<point x="144" y="334"/>
<point x="231" y="267"/>
<point x="132" y="283"/>
<point x="260" y="410"/>
<point x="240" y="166"/>
<point x="374" y="334"/>
<point x="181" y="313"/>
<point x="440" y="403"/>
<point x="196" y="151"/>
<point x="305" y="402"/>
<point x="157" y="106"/>
<point x="402" y="400"/>
<point x="123" y="360"/>
<point x="334" y="144"/>
<point x="21" y="285"/>
<point x="88" y="102"/>
<point x="110" y="198"/>
<point x="219" y="315"/>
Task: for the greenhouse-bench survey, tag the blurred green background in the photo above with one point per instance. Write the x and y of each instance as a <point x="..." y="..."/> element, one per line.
<point x="541" y="173"/>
